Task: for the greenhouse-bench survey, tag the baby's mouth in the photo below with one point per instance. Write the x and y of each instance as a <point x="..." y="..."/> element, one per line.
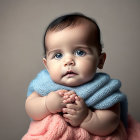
<point x="70" y="74"/>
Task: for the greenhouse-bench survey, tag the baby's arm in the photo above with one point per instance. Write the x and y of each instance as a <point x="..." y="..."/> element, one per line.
<point x="98" y="122"/>
<point x="38" y="107"/>
<point x="102" y="122"/>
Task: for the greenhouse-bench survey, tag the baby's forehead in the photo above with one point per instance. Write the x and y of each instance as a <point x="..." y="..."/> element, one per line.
<point x="85" y="28"/>
<point x="73" y="23"/>
<point x="82" y="33"/>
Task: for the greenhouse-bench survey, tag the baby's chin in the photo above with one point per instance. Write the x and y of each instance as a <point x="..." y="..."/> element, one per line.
<point x="71" y="83"/>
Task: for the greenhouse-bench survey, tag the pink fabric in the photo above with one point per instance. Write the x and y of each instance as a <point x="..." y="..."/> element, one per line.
<point x="133" y="129"/>
<point x="54" y="127"/>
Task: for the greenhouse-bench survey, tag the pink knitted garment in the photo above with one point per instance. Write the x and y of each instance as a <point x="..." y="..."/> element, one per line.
<point x="133" y="129"/>
<point x="54" y="127"/>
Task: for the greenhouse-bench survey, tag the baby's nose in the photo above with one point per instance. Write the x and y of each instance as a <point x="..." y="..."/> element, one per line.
<point x="69" y="61"/>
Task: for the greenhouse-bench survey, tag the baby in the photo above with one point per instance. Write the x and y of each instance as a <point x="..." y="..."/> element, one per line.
<point x="73" y="52"/>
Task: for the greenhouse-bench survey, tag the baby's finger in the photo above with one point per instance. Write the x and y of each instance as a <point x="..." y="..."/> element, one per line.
<point x="67" y="101"/>
<point x="71" y="92"/>
<point x="67" y="116"/>
<point x="72" y="97"/>
<point x="67" y="120"/>
<point x="69" y="111"/>
<point x="77" y="98"/>
<point x="72" y="106"/>
<point x="65" y="97"/>
<point x="61" y="92"/>
<point x="79" y="101"/>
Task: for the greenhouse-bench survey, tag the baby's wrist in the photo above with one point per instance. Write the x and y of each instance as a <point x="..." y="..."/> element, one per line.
<point x="86" y="119"/>
<point x="46" y="105"/>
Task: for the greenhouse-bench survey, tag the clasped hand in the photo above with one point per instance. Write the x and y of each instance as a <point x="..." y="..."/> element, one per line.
<point x="73" y="107"/>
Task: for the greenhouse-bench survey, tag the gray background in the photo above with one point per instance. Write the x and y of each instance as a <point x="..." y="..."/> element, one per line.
<point x="22" y="25"/>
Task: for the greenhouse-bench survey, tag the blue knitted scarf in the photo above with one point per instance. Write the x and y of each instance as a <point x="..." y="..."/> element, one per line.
<point x="101" y="92"/>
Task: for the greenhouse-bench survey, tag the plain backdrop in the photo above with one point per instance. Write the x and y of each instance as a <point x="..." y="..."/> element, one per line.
<point x="22" y="26"/>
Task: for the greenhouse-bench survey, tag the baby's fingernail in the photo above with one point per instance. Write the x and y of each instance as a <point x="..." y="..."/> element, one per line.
<point x="60" y="93"/>
<point x="73" y="95"/>
<point x="64" y="110"/>
<point x="65" y="97"/>
<point x="65" y="101"/>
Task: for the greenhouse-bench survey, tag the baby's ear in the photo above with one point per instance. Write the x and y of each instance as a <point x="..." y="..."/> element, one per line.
<point x="45" y="62"/>
<point x="102" y="59"/>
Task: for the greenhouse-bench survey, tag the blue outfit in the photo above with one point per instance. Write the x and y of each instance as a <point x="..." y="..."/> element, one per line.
<point x="101" y="92"/>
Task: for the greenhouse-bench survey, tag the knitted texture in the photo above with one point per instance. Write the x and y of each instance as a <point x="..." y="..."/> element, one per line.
<point x="54" y="127"/>
<point x="101" y="92"/>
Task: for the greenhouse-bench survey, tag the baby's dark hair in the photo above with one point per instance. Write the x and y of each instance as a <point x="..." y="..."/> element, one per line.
<point x="64" y="21"/>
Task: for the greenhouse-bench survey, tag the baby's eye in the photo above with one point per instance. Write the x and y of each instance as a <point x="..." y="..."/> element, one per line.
<point x="80" y="53"/>
<point x="58" y="55"/>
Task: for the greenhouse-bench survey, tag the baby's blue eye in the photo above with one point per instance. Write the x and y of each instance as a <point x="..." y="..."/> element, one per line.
<point x="80" y="53"/>
<point x="58" y="55"/>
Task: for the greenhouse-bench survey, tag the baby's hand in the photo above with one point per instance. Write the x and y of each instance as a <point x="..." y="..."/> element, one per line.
<point x="75" y="113"/>
<point x="54" y="101"/>
<point x="69" y="97"/>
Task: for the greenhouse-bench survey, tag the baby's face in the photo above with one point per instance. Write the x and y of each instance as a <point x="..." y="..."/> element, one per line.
<point x="72" y="57"/>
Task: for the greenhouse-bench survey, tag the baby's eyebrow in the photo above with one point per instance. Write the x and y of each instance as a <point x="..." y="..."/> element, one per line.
<point x="80" y="46"/>
<point x="83" y="46"/>
<point x="53" y="51"/>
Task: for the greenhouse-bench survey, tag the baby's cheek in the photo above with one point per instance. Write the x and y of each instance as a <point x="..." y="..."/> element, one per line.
<point x="55" y="77"/>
